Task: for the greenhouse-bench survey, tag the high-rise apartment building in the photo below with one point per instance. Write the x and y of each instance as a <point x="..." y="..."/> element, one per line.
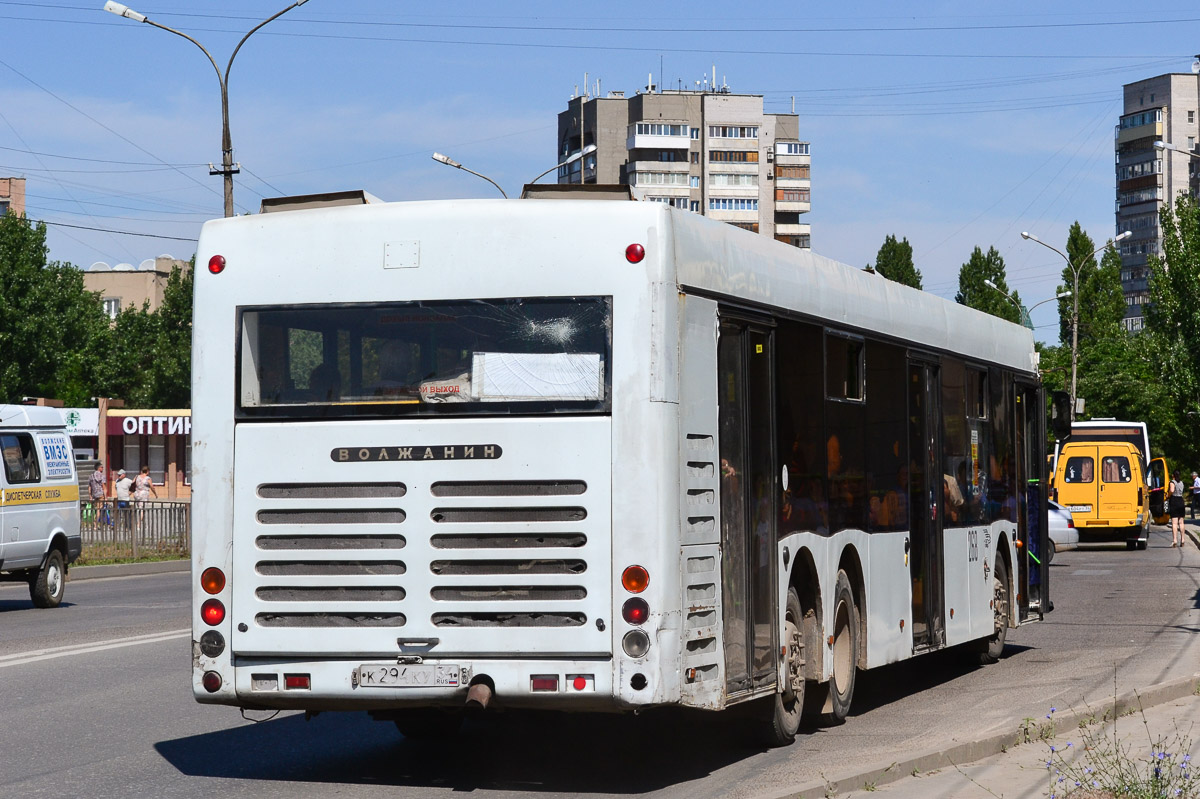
<point x="1164" y="108"/>
<point x="712" y="152"/>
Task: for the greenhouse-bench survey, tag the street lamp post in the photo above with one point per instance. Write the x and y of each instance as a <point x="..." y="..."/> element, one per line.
<point x="448" y="161"/>
<point x="1075" y="295"/>
<point x="1025" y="313"/>
<point x="228" y="169"/>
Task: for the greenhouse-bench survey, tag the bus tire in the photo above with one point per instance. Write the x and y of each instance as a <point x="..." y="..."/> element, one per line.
<point x="990" y="648"/>
<point x="49" y="582"/>
<point x="429" y="724"/>
<point x="845" y="650"/>
<point x="788" y="703"/>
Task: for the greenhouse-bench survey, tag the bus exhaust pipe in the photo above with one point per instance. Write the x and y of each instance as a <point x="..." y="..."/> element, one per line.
<point x="478" y="696"/>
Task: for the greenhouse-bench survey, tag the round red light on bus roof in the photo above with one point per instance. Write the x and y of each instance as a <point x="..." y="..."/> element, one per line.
<point x="635" y="611"/>
<point x="212" y="580"/>
<point x="216" y="264"/>
<point x="634" y="253"/>
<point x="635" y="579"/>
<point x="213" y="612"/>
<point x="211" y="681"/>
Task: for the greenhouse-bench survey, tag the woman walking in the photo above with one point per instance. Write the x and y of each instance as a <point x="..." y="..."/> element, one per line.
<point x="1175" y="506"/>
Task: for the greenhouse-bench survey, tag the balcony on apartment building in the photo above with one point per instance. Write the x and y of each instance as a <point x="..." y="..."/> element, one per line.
<point x="789" y="228"/>
<point x="792" y="153"/>
<point x="1141" y="125"/>
<point x="793" y="200"/>
<point x="658" y="136"/>
<point x="733" y="209"/>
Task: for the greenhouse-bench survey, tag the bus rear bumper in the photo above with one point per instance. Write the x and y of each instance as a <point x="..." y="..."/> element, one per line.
<point x="354" y="683"/>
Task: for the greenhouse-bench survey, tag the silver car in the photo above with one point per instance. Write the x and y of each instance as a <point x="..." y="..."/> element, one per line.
<point x="1063" y="534"/>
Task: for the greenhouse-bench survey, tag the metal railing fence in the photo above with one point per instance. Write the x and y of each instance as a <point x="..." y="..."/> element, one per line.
<point x="153" y="528"/>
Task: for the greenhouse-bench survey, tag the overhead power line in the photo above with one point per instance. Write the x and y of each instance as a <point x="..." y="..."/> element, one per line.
<point x="119" y="232"/>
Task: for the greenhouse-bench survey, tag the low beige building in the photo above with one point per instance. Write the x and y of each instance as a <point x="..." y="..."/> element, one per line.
<point x="12" y="196"/>
<point x="126" y="285"/>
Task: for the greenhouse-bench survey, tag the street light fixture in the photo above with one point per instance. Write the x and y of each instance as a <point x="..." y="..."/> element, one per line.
<point x="1075" y="294"/>
<point x="228" y="169"/>
<point x="1027" y="318"/>
<point x="591" y="148"/>
<point x="448" y="161"/>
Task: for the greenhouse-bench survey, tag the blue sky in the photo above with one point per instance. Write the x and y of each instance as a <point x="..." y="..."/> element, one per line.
<point x="949" y="126"/>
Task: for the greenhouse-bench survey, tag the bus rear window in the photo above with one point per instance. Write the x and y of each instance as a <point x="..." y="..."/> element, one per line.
<point x="462" y="356"/>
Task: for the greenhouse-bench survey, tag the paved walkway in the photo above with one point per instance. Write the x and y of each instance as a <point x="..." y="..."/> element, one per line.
<point x="1160" y="718"/>
<point x="1170" y="728"/>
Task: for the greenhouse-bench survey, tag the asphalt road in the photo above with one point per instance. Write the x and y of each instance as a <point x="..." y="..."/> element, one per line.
<point x="95" y="702"/>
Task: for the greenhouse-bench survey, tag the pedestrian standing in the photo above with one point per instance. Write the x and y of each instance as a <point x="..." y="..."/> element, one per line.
<point x="96" y="492"/>
<point x="1175" y="508"/>
<point x="143" y="487"/>
<point x="123" y="486"/>
<point x="1195" y="493"/>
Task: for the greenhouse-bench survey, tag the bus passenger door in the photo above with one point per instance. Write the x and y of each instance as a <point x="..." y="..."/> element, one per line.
<point x="925" y="500"/>
<point x="1033" y="572"/>
<point x="749" y="504"/>
<point x="1156" y="483"/>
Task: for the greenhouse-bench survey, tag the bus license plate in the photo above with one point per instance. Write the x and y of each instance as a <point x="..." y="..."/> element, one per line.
<point x="1079" y="508"/>
<point x="410" y="676"/>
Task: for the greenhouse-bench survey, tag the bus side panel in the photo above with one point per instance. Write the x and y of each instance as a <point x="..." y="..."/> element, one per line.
<point x="889" y="599"/>
<point x="213" y="392"/>
<point x="702" y="656"/>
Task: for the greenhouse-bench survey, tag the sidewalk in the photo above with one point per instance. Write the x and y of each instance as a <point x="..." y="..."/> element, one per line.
<point x="996" y="766"/>
<point x="1172" y="727"/>
<point x="127" y="569"/>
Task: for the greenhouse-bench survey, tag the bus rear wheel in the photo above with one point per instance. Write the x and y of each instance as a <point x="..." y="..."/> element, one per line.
<point x="845" y="650"/>
<point x="788" y="703"/>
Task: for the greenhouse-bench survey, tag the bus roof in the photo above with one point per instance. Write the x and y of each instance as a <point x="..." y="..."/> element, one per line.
<point x="25" y="416"/>
<point x="538" y="241"/>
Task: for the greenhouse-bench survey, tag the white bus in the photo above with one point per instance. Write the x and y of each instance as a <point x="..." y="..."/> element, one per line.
<point x="591" y="455"/>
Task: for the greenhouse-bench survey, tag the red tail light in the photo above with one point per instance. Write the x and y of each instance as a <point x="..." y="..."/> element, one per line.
<point x="635" y="611"/>
<point x="211" y="681"/>
<point x="216" y="264"/>
<point x="634" y="253"/>
<point x="213" y="612"/>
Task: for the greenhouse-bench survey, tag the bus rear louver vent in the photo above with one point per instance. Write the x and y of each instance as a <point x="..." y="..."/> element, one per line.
<point x="331" y="490"/>
<point x="380" y="541"/>
<point x="507" y="541"/>
<point x="524" y="488"/>
<point x="524" y="593"/>
<point x="343" y="516"/>
<point x="456" y="568"/>
<point x="309" y="593"/>
<point x="506" y="515"/>
<point x="535" y="619"/>
<point x="329" y="568"/>
<point x="317" y="620"/>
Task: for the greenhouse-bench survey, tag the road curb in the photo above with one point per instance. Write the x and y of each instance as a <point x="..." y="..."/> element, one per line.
<point x="959" y="754"/>
<point x="127" y="569"/>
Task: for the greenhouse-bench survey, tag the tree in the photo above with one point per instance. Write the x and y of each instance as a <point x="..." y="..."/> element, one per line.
<point x="1173" y="326"/>
<point x="974" y="293"/>
<point x="1080" y="251"/>
<point x="895" y="262"/>
<point x="47" y="320"/>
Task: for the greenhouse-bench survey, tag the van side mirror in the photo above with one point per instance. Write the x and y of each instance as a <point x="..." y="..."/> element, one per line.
<point x="1060" y="414"/>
